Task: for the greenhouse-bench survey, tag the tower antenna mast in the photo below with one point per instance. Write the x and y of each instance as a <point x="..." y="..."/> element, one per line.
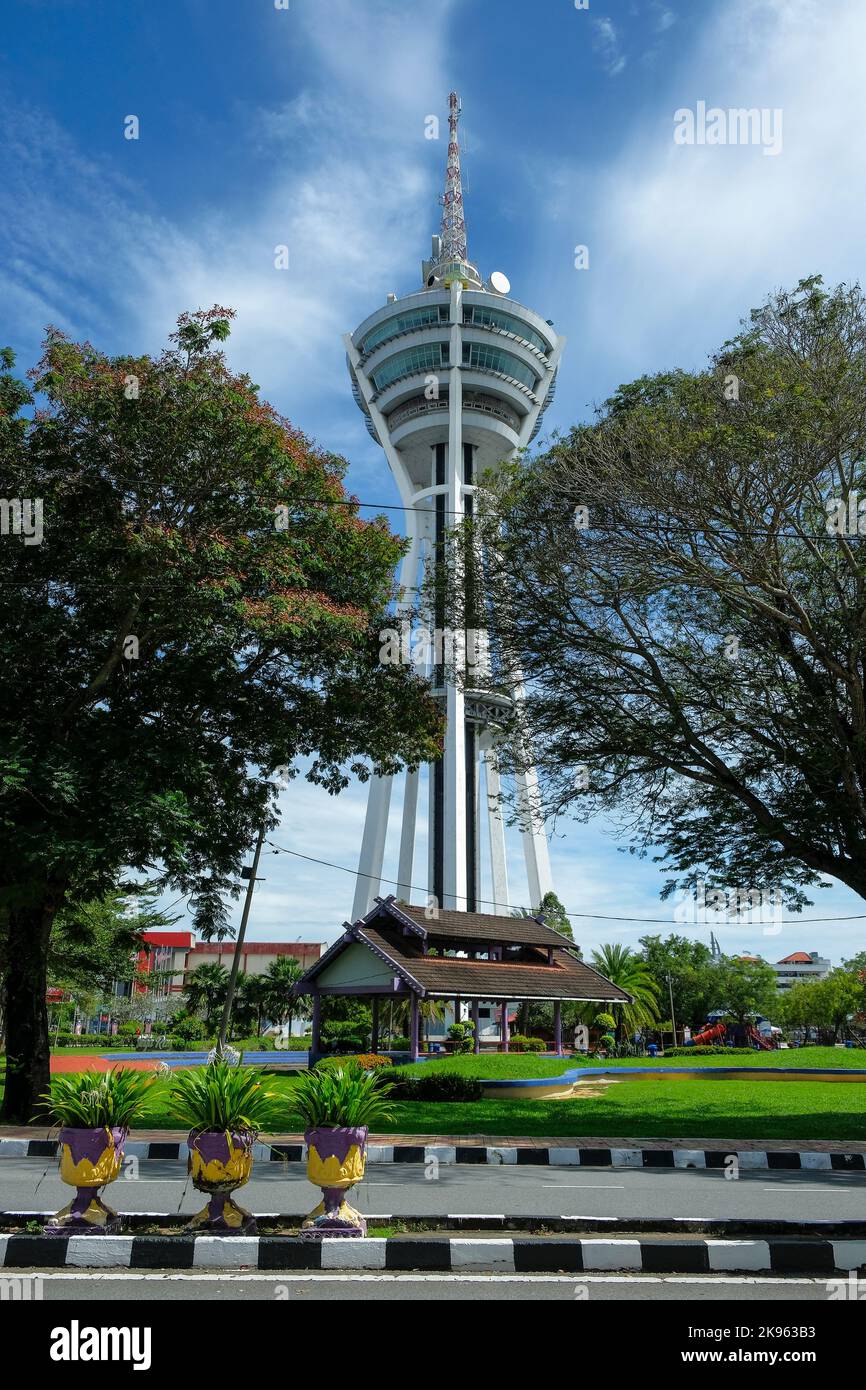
<point x="453" y="220"/>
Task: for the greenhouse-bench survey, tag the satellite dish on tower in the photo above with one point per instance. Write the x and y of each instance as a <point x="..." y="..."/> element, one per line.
<point x="499" y="282"/>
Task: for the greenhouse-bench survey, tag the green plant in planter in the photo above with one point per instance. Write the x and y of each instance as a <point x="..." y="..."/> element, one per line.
<point x="341" y="1098"/>
<point x="222" y="1097"/>
<point x="113" y="1099"/>
<point x="95" y="1111"/>
<point x="225" y="1106"/>
<point x="337" y="1106"/>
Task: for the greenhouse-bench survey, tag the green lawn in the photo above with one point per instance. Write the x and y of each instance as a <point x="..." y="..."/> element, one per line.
<point x="663" y="1109"/>
<point x="699" y="1108"/>
<point x="516" y="1064"/>
<point x="703" y="1108"/>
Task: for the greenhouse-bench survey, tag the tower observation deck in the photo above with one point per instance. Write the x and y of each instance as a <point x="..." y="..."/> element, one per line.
<point x="452" y="380"/>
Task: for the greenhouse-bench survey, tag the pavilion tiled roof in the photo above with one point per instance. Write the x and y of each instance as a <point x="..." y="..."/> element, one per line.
<point x="483" y="926"/>
<point x="400" y="935"/>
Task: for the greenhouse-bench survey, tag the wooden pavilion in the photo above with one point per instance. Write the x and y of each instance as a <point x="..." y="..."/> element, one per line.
<point x="397" y="950"/>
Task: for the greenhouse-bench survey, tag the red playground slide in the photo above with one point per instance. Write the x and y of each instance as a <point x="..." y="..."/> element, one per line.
<point x="761" y="1041"/>
<point x="710" y="1035"/>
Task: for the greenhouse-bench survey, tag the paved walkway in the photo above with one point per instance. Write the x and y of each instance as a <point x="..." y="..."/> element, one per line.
<point x="591" y="1141"/>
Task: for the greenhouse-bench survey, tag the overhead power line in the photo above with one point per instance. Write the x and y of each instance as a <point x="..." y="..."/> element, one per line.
<point x="520" y="907"/>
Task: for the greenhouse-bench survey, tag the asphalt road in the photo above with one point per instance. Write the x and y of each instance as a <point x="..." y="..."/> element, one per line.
<point x="156" y="1286"/>
<point x="404" y="1190"/>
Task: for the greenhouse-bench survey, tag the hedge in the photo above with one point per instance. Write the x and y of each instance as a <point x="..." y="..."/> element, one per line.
<point x="438" y="1085"/>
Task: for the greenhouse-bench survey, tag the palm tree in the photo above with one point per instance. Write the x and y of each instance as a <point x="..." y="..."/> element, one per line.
<point x="205" y="991"/>
<point x="622" y="967"/>
<point x="246" y="1005"/>
<point x="282" y="1004"/>
<point x="428" y="1010"/>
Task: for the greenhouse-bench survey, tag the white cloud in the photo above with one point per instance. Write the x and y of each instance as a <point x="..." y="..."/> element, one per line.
<point x="607" y="45"/>
<point x="684" y="240"/>
<point x="353" y="200"/>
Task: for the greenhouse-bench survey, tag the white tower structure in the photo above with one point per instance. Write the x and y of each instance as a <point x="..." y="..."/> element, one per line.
<point x="452" y="379"/>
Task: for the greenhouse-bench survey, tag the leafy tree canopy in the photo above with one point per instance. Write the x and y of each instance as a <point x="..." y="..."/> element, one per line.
<point x="675" y="587"/>
<point x="205" y="602"/>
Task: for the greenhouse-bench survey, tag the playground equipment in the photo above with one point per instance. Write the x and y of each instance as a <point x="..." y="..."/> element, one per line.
<point x="737" y="1035"/>
<point x="710" y="1035"/>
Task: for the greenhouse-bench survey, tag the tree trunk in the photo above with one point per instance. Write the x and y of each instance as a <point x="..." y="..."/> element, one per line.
<point x="28" y="1051"/>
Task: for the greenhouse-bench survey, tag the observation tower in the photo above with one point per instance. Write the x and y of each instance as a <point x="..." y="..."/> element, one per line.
<point x="453" y="379"/>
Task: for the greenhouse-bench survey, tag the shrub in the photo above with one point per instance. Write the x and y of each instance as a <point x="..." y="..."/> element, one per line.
<point x="187" y="1027"/>
<point x="399" y="1045"/>
<point x="129" y="1029"/>
<point x="709" y="1051"/>
<point x="92" y="1041"/>
<point x="524" y="1044"/>
<point x="360" y="1061"/>
<point x="439" y="1085"/>
<point x="344" y="1037"/>
<point x="462" y="1035"/>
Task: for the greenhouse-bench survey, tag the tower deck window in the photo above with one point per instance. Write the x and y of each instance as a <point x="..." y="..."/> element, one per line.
<point x="404" y="323"/>
<point x="493" y="359"/>
<point x="426" y="357"/>
<point x="482" y="317"/>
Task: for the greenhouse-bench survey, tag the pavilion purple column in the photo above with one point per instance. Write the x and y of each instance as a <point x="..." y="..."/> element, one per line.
<point x="505" y="1026"/>
<point x="476" y="1030"/>
<point x="374" y="1030"/>
<point x="315" y="1044"/>
<point x="557" y="1027"/>
<point x="413" y="1027"/>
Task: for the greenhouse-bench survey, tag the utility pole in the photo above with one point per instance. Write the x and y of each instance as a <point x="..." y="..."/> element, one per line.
<point x="673" y="1018"/>
<point x="236" y="959"/>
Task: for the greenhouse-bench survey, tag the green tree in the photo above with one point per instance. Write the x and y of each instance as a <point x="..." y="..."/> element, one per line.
<point x="555" y="915"/>
<point x="692" y="975"/>
<point x="673" y="585"/>
<point x="205" y="991"/>
<point x="841" y="995"/>
<point x="282" y="1005"/>
<point x="96" y="943"/>
<point x="745" y="988"/>
<point x="203" y="609"/>
<point x="623" y="968"/>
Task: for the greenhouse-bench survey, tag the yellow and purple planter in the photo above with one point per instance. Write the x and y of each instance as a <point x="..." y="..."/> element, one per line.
<point x="219" y="1162"/>
<point x="89" y="1158"/>
<point x="336" y="1160"/>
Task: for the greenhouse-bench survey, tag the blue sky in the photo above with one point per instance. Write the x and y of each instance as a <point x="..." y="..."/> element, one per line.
<point x="305" y="126"/>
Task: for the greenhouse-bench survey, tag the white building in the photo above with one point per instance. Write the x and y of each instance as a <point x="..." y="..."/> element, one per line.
<point x="799" y="966"/>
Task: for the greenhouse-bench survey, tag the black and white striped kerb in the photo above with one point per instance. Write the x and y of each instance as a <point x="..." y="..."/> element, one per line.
<point x="452" y="1254"/>
<point x="565" y="1156"/>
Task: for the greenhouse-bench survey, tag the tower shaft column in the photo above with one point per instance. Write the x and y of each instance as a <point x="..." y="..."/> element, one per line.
<point x="454" y="859"/>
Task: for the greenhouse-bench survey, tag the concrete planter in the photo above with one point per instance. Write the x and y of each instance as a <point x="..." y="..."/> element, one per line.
<point x="89" y="1159"/>
<point x="336" y="1160"/>
<point x="220" y="1161"/>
